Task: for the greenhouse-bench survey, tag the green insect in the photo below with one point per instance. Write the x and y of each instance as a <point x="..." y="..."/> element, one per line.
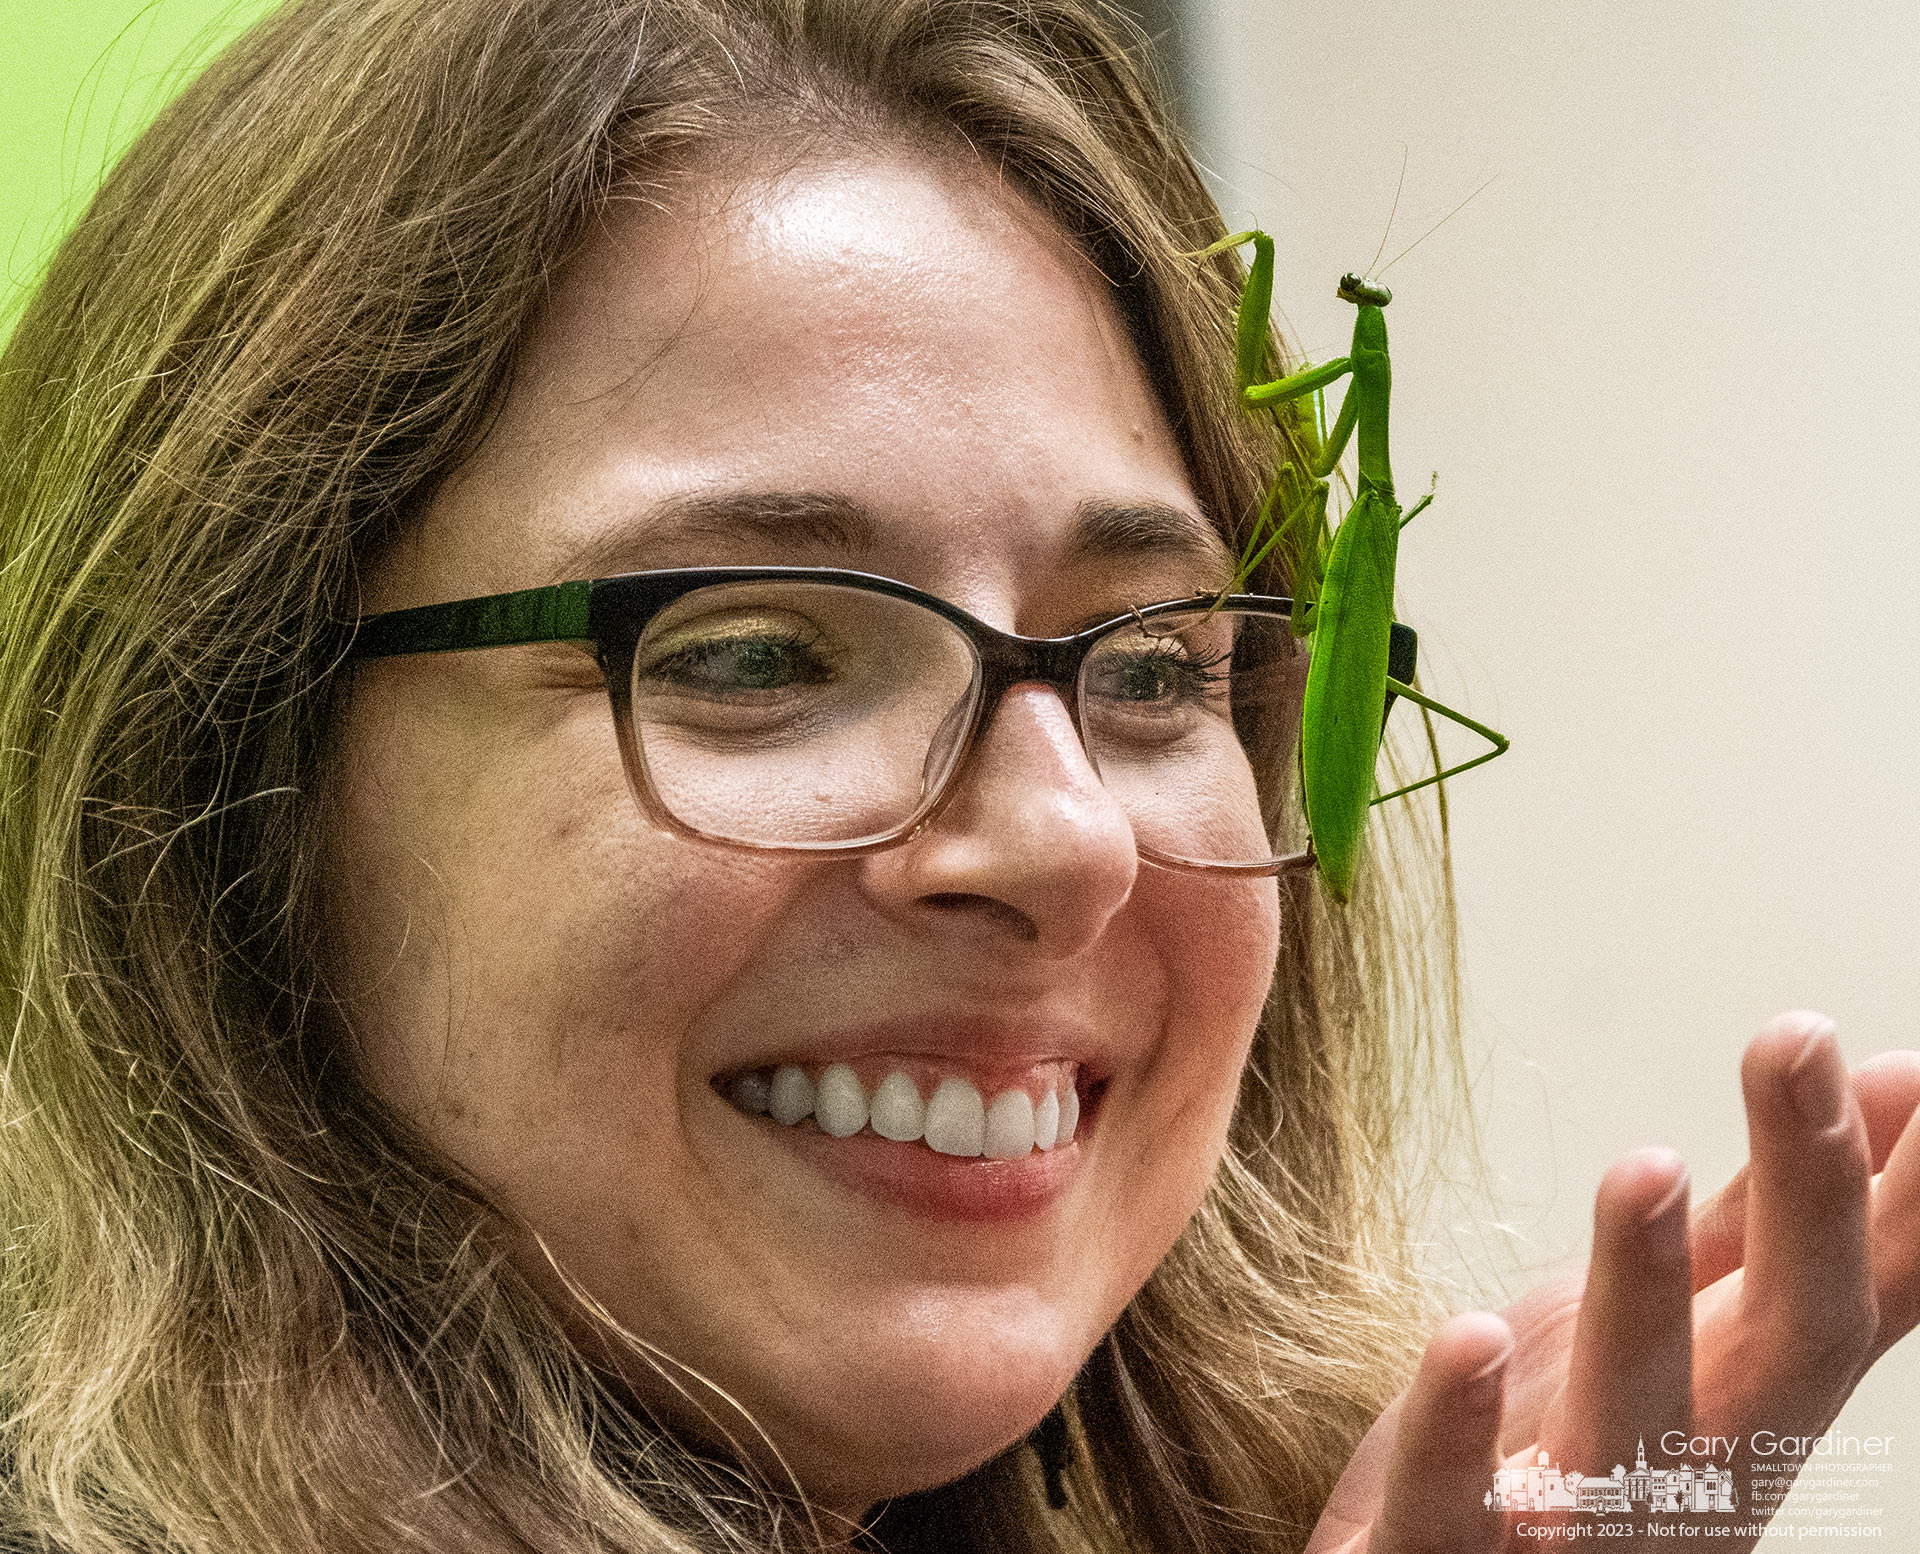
<point x="1342" y="579"/>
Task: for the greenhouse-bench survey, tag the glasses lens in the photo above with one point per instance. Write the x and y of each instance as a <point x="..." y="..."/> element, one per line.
<point x="799" y="714"/>
<point x="1191" y="718"/>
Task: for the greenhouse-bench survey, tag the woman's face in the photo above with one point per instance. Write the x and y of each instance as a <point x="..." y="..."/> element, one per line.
<point x="558" y="993"/>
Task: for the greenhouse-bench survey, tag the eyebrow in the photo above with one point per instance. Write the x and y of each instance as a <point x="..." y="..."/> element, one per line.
<point x="1122" y="531"/>
<point x="1103" y="529"/>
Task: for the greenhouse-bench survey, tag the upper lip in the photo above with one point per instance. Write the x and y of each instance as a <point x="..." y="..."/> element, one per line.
<point x="1000" y="1041"/>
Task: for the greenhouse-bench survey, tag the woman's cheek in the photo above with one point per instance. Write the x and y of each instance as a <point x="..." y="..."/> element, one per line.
<point x="1223" y="936"/>
<point x="1217" y="940"/>
<point x="508" y="928"/>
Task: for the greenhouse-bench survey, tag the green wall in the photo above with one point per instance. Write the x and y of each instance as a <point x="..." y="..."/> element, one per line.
<point x="78" y="79"/>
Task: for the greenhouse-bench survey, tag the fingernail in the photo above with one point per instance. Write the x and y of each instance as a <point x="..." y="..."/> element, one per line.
<point x="1818" y="1081"/>
<point x="1668" y="1200"/>
<point x="1490" y="1372"/>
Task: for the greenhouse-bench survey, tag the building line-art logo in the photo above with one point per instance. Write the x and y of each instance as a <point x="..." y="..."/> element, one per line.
<point x="1541" y="1486"/>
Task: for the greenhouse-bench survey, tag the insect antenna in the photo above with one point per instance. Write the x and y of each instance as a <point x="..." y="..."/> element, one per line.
<point x="1392" y="210"/>
<point x="1434" y="228"/>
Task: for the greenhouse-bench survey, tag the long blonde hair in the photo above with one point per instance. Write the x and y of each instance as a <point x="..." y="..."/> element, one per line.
<point x="243" y="1306"/>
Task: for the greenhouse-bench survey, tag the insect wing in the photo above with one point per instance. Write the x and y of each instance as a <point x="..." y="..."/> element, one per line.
<point x="1347" y="686"/>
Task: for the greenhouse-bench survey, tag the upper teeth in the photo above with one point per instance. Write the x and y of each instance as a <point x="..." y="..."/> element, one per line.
<point x="954" y="1121"/>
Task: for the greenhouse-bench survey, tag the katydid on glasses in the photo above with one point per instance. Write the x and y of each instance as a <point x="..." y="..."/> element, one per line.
<point x="1342" y="580"/>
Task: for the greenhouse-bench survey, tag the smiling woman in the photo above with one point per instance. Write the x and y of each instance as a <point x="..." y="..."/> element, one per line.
<point x="820" y="1001"/>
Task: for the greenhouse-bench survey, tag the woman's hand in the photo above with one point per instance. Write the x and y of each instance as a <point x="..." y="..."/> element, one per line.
<point x="1761" y="1314"/>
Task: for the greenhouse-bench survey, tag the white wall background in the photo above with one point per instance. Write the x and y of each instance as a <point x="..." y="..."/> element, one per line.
<point x="1668" y="368"/>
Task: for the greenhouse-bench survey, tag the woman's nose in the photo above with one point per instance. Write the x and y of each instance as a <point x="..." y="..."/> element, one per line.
<point x="1029" y="845"/>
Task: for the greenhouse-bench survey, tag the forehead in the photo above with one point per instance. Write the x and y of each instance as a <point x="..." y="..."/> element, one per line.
<point x="820" y="262"/>
<point x="897" y="330"/>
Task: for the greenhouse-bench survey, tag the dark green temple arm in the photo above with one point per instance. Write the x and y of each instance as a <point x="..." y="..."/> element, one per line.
<point x="556" y="614"/>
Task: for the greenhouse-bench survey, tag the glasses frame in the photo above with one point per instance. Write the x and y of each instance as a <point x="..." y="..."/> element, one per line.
<point x="606" y="616"/>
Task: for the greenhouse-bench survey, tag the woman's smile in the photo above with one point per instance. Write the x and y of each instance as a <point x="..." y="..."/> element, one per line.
<point x="930" y="1183"/>
<point x="975" y="1121"/>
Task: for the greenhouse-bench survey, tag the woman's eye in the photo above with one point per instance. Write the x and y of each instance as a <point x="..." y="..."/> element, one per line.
<point x="1163" y="676"/>
<point x="742" y="662"/>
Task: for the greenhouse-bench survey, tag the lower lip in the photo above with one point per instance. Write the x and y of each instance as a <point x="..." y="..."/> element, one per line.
<point x="969" y="1189"/>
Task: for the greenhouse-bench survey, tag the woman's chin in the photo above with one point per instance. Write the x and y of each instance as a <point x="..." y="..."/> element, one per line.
<point x="920" y="1441"/>
<point x="852" y="1440"/>
<point x="880" y="1421"/>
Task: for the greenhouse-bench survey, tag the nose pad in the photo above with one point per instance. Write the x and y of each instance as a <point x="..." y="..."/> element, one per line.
<point x="946" y="739"/>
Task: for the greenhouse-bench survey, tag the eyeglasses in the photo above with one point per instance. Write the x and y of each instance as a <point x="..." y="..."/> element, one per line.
<point x="810" y="709"/>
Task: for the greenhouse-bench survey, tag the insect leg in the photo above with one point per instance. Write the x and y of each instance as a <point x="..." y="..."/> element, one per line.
<point x="1310" y="515"/>
<point x="1336" y="441"/>
<point x="1294" y="385"/>
<point x="1256" y="302"/>
<point x="1420" y="506"/>
<point x="1498" y="740"/>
